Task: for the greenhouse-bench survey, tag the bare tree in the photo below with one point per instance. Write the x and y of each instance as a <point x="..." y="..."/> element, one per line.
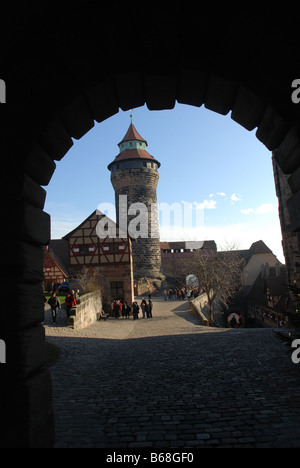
<point x="218" y="274"/>
<point x="89" y="279"/>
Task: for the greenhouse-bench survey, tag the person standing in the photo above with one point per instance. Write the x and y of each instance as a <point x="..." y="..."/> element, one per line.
<point x="143" y="307"/>
<point x="54" y="303"/>
<point x="127" y="310"/>
<point x="149" y="314"/>
<point x="70" y="302"/>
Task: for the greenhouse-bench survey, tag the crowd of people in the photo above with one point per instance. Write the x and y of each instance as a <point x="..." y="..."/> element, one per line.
<point x="121" y="309"/>
<point x="181" y="294"/>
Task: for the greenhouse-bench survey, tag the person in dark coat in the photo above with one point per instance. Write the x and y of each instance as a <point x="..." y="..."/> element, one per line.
<point x="149" y="314"/>
<point x="54" y="303"/>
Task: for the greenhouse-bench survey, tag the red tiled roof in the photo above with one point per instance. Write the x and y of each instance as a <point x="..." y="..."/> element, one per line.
<point x="132" y="134"/>
<point x="133" y="154"/>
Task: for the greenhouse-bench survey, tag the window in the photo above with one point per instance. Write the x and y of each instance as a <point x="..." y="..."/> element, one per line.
<point x="114" y="248"/>
<point x="116" y="289"/>
<point x="83" y="250"/>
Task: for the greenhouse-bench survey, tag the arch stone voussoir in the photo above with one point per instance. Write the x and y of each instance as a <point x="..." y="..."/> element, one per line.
<point x="77" y="117"/>
<point x="160" y="90"/>
<point x="220" y="94"/>
<point x="248" y="108"/>
<point x="102" y="100"/>
<point x="287" y="154"/>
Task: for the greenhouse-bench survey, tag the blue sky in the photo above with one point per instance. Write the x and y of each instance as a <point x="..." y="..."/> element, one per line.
<point x="206" y="159"/>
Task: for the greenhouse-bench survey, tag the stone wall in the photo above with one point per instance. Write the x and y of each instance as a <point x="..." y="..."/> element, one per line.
<point x="139" y="185"/>
<point x="199" y="305"/>
<point x="289" y="238"/>
<point x="85" y="313"/>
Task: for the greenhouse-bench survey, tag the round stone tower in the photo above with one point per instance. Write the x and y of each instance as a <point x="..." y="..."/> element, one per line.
<point x="134" y="176"/>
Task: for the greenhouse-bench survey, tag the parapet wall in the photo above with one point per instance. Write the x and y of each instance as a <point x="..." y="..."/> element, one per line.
<point x="199" y="305"/>
<point x="85" y="313"/>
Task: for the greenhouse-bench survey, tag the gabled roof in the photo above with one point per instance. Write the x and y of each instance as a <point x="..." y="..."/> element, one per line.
<point x="58" y="250"/>
<point x="259" y="247"/>
<point x="99" y="215"/>
<point x="132" y="134"/>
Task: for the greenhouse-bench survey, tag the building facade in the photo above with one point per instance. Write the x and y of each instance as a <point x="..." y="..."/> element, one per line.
<point x="108" y="259"/>
<point x="55" y="271"/>
<point x="134" y="176"/>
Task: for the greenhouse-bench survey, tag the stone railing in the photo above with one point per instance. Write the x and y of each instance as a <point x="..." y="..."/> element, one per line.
<point x="199" y="305"/>
<point x="85" y="313"/>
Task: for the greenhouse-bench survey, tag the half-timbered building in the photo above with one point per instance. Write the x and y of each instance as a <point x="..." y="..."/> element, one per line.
<point x="55" y="271"/>
<point x="111" y="256"/>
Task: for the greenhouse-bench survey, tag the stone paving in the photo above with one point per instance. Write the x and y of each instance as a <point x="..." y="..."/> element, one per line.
<point x="168" y="382"/>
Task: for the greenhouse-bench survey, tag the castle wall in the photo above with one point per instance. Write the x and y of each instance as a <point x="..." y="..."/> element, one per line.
<point x="289" y="238"/>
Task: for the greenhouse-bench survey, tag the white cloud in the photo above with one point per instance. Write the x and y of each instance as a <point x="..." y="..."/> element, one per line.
<point x="265" y="208"/>
<point x="206" y="205"/>
<point x="235" y="197"/>
<point x="262" y="209"/>
<point x="222" y="194"/>
<point x="248" y="211"/>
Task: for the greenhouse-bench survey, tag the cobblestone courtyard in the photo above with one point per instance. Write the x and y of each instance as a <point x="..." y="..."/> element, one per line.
<point x="169" y="382"/>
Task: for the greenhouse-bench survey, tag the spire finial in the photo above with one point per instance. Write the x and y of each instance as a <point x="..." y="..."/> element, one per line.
<point x="131" y="115"/>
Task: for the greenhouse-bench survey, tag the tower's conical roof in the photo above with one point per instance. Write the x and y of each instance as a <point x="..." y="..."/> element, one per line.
<point x="132" y="135"/>
<point x="137" y="151"/>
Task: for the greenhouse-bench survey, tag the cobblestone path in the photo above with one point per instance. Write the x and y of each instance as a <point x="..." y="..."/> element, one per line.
<point x="169" y="382"/>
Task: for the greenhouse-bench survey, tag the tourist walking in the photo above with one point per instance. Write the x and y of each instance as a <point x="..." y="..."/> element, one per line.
<point x="54" y="304"/>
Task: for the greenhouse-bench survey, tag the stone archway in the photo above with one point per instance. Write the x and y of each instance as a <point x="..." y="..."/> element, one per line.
<point x="65" y="70"/>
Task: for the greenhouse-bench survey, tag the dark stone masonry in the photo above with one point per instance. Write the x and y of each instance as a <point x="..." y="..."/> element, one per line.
<point x="134" y="176"/>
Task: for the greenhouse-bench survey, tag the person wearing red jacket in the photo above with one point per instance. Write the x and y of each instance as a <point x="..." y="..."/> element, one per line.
<point x="70" y="302"/>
